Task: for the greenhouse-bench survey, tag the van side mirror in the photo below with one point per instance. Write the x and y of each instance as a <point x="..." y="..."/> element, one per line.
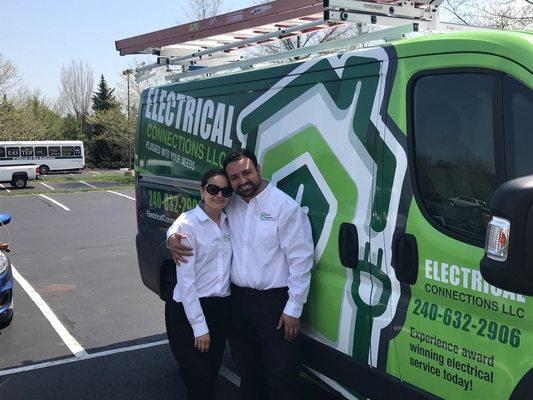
<point x="508" y="260"/>
<point x="5" y="218"/>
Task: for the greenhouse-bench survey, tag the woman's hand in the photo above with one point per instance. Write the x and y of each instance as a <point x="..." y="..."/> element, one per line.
<point x="201" y="343"/>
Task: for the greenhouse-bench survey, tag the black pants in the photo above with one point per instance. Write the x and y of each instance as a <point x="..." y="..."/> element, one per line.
<point x="267" y="362"/>
<point x="199" y="371"/>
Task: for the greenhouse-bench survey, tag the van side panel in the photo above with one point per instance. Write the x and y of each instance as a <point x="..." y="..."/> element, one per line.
<point x="461" y="337"/>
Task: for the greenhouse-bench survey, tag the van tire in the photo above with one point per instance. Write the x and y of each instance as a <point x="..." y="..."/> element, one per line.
<point x="19" y="181"/>
<point x="44" y="169"/>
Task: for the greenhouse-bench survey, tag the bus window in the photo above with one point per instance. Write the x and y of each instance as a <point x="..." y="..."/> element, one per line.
<point x="54" y="151"/>
<point x="77" y="150"/>
<point x="518" y="109"/>
<point x="13" y="151"/>
<point x="67" y="151"/>
<point x="41" y="151"/>
<point x="2" y="152"/>
<point x="26" y="151"/>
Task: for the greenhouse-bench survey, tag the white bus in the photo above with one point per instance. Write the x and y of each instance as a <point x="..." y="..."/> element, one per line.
<point x="49" y="155"/>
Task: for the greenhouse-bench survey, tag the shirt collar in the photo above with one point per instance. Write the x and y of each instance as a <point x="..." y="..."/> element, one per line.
<point x="202" y="216"/>
<point x="261" y="196"/>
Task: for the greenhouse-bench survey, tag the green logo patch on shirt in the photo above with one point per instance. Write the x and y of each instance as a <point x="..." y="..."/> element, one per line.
<point x="264" y="216"/>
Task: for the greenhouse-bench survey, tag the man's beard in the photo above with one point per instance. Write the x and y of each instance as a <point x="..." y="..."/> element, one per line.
<point x="249" y="189"/>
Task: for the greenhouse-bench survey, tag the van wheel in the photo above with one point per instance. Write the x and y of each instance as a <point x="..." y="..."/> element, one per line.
<point x="171" y="308"/>
<point x="43" y="169"/>
<point x="19" y="182"/>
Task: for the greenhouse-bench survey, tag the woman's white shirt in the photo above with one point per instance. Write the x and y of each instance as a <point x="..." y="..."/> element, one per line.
<point x="207" y="271"/>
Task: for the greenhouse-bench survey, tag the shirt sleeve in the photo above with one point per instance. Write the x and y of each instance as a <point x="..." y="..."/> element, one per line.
<point x="297" y="242"/>
<point x="186" y="286"/>
<point x="174" y="228"/>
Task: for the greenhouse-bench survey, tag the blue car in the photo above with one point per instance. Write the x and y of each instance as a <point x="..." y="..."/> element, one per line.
<point x="6" y="283"/>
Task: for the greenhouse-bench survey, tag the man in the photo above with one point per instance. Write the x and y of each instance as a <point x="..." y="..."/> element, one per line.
<point x="270" y="274"/>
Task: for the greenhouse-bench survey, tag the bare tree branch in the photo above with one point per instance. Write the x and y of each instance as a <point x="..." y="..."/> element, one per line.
<point x="77" y="82"/>
<point x="9" y="77"/>
<point x="202" y="9"/>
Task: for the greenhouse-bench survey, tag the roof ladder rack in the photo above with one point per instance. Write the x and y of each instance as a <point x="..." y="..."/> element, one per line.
<point x="384" y="34"/>
<point x="213" y="45"/>
<point x="393" y="13"/>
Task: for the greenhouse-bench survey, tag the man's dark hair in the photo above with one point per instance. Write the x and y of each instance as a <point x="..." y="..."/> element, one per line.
<point x="239" y="154"/>
<point x="210" y="174"/>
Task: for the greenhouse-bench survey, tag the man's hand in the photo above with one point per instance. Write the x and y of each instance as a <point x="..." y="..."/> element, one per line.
<point x="292" y="326"/>
<point x="201" y="343"/>
<point x="179" y="251"/>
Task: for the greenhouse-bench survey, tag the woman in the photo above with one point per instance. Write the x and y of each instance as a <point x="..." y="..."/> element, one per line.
<point x="199" y="315"/>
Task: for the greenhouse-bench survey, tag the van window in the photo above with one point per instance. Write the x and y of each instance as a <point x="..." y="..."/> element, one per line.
<point x="41" y="151"/>
<point x="518" y="111"/>
<point x="2" y="151"/>
<point x="26" y="151"/>
<point x="454" y="150"/>
<point x="67" y="151"/>
<point x="54" y="151"/>
<point x="77" y="150"/>
<point x="13" y="151"/>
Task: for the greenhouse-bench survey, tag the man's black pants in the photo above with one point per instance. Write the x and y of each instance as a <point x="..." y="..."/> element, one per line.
<point x="267" y="362"/>
<point x="199" y="371"/>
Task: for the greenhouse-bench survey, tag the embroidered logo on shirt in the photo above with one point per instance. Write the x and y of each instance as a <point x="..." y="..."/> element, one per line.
<point x="226" y="237"/>
<point x="266" y="217"/>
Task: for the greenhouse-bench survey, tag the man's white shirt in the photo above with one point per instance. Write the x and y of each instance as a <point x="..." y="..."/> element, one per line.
<point x="207" y="272"/>
<point x="272" y="245"/>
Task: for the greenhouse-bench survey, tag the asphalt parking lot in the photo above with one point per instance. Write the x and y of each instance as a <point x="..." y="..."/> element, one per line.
<point x="85" y="327"/>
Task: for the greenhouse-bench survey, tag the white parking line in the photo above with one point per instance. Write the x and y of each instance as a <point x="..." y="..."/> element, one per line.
<point x="6" y="189"/>
<point x="48" y="186"/>
<point x="69" y="340"/>
<point x="97" y="173"/>
<point x="120" y="194"/>
<point x="55" y="202"/>
<point x="87" y="356"/>
<point x="88" y="184"/>
<point x="224" y="372"/>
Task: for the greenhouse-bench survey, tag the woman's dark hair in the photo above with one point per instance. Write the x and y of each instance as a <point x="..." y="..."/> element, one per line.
<point x="210" y="174"/>
<point x="239" y="154"/>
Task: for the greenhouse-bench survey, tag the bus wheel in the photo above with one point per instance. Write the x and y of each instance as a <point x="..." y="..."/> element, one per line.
<point x="19" y="182"/>
<point x="43" y="169"/>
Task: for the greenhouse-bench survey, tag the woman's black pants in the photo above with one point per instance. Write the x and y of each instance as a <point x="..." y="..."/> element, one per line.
<point x="199" y="371"/>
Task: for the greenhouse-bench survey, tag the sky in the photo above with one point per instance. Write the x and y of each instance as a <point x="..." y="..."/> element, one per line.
<point x="41" y="36"/>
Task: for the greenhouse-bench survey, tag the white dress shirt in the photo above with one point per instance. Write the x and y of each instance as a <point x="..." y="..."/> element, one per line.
<point x="206" y="274"/>
<point x="272" y="245"/>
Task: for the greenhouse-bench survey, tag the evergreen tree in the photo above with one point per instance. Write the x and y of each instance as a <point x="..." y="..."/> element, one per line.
<point x="103" y="98"/>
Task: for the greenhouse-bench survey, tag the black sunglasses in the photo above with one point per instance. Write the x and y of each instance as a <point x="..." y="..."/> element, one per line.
<point x="214" y="189"/>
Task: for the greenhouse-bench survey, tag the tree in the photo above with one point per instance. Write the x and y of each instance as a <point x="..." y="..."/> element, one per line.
<point x="103" y="99"/>
<point x="498" y="14"/>
<point x="76" y="88"/>
<point x="28" y="118"/>
<point x="202" y="9"/>
<point x="9" y="77"/>
<point x="110" y="148"/>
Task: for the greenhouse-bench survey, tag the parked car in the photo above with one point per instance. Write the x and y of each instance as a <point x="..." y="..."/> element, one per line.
<point x="468" y="201"/>
<point x="6" y="281"/>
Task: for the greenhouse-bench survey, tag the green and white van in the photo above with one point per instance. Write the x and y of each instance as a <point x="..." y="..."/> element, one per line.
<point x="396" y="152"/>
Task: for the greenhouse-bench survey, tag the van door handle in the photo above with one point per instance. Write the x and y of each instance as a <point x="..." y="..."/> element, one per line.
<point x="348" y="245"/>
<point x="405" y="257"/>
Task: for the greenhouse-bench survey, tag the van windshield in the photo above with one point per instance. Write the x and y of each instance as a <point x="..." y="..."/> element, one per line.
<point x="518" y="120"/>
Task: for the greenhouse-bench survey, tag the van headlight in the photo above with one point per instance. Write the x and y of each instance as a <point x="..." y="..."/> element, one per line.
<point x="4" y="262"/>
